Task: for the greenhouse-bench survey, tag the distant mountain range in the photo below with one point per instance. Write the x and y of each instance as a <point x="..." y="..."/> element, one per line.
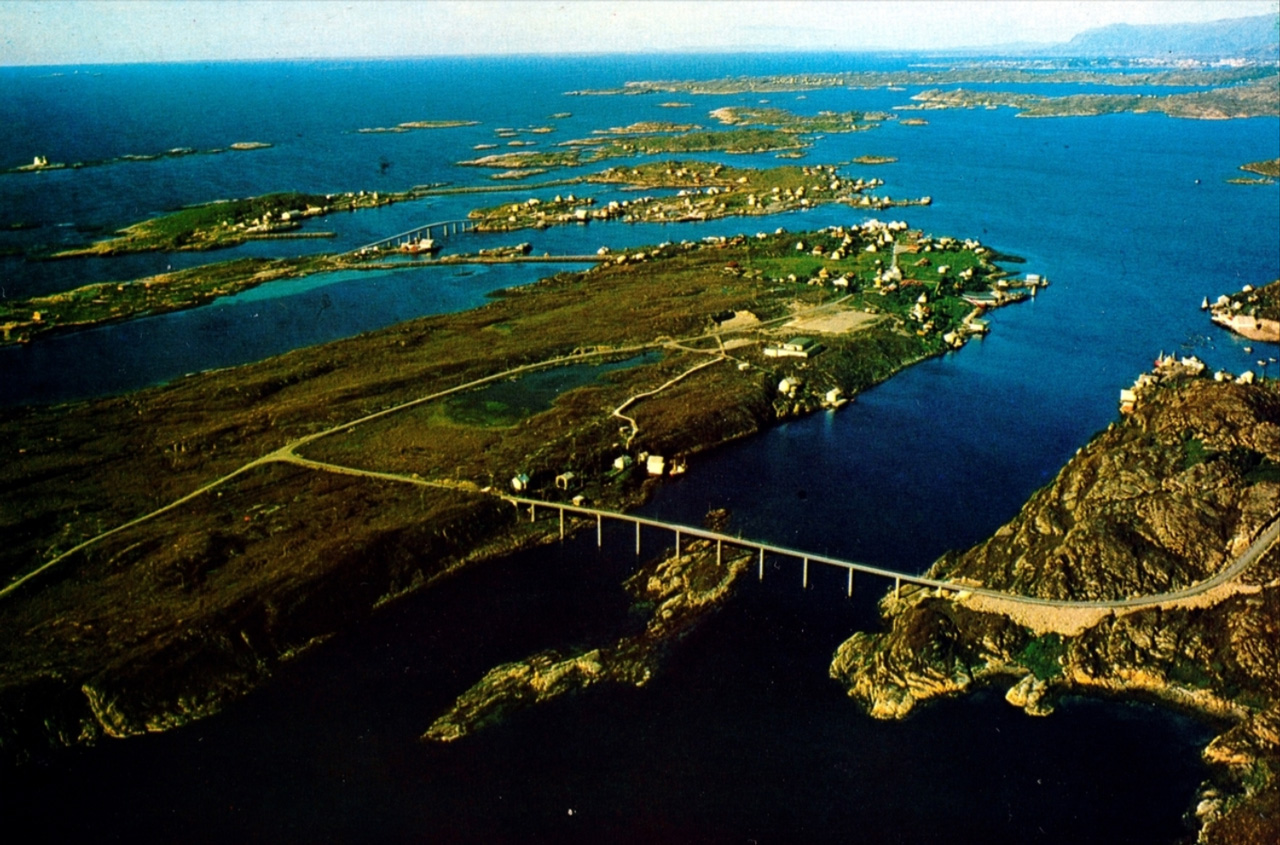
<point x="1255" y="37"/>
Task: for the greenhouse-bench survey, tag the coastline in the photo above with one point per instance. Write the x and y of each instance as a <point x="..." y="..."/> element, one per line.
<point x="1106" y="528"/>
<point x="214" y="560"/>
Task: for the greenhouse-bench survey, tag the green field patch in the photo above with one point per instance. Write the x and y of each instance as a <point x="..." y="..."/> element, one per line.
<point x="506" y="403"/>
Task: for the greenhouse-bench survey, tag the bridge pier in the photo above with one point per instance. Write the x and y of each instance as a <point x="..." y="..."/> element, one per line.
<point x="564" y="511"/>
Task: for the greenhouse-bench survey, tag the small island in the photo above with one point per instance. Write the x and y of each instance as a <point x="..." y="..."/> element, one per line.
<point x="826" y="122"/>
<point x="706" y="191"/>
<point x="41" y="164"/>
<point x="228" y="223"/>
<point x="647" y="127"/>
<point x="419" y="124"/>
<point x="624" y="145"/>
<point x="674" y="593"/>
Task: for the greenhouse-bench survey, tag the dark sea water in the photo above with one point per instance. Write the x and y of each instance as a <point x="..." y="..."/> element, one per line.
<point x="742" y="737"/>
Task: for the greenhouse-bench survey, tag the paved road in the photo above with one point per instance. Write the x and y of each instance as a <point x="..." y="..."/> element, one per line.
<point x="287" y="454"/>
<point x="1242" y="562"/>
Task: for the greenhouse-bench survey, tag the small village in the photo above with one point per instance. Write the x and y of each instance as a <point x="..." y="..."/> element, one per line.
<point x="1253" y="313"/>
<point x="839" y="283"/>
<point x="702" y="192"/>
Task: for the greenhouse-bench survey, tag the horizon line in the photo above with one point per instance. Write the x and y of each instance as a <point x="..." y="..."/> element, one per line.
<point x="1021" y="49"/>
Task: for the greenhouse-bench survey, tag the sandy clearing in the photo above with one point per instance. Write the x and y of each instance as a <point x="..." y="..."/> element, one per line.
<point x="836" y="322"/>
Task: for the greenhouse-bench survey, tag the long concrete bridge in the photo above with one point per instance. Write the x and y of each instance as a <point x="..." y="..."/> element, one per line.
<point x="433" y="231"/>
<point x="721" y="540"/>
<point x="1261" y="543"/>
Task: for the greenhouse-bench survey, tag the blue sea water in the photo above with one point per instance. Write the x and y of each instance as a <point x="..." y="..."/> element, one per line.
<point x="1131" y="218"/>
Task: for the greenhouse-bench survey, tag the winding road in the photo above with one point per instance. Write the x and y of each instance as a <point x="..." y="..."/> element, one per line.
<point x="984" y="598"/>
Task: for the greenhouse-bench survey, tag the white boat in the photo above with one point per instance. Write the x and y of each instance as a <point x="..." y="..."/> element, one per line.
<point x="419" y="246"/>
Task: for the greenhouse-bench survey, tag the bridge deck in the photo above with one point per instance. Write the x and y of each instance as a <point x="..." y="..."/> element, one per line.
<point x="1263" y="541"/>
<point x="443" y="228"/>
<point x="763" y="549"/>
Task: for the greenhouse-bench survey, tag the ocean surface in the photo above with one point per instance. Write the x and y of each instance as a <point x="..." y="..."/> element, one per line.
<point x="743" y="736"/>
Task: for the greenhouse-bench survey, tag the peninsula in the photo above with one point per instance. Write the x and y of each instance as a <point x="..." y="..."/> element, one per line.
<point x="1265" y="168"/>
<point x="941" y="76"/>
<point x="168" y="548"/>
<point x="1254" y="99"/>
<point x="705" y="191"/>
<point x="1251" y="312"/>
<point x="1154" y="571"/>
<point x="226" y="223"/>
<point x="22" y="320"/>
<point x="1267" y="172"/>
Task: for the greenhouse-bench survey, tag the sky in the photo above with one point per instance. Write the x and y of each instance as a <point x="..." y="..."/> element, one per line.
<point x="69" y="32"/>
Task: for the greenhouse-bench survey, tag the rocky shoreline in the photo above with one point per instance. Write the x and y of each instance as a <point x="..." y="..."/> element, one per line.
<point x="1160" y="501"/>
<point x="1251" y="99"/>
<point x="1253" y="313"/>
<point x="675" y="593"/>
<point x="166" y="620"/>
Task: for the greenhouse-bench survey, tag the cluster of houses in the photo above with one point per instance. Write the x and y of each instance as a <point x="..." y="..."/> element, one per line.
<point x="571" y="482"/>
<point x="790" y="387"/>
<point x="290" y="219"/>
<point x="1242" y="315"/>
<point x="268" y="223"/>
<point x="693" y="202"/>
<point x="1167" y="368"/>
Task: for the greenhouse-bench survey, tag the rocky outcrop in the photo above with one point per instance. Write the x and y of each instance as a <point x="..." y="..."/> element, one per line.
<point x="1155" y="504"/>
<point x="1158" y="502"/>
<point x="1252" y="312"/>
<point x="675" y="592"/>
<point x="183" y="667"/>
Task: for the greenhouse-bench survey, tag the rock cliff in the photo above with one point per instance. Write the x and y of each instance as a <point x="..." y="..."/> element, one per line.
<point x="1160" y="502"/>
